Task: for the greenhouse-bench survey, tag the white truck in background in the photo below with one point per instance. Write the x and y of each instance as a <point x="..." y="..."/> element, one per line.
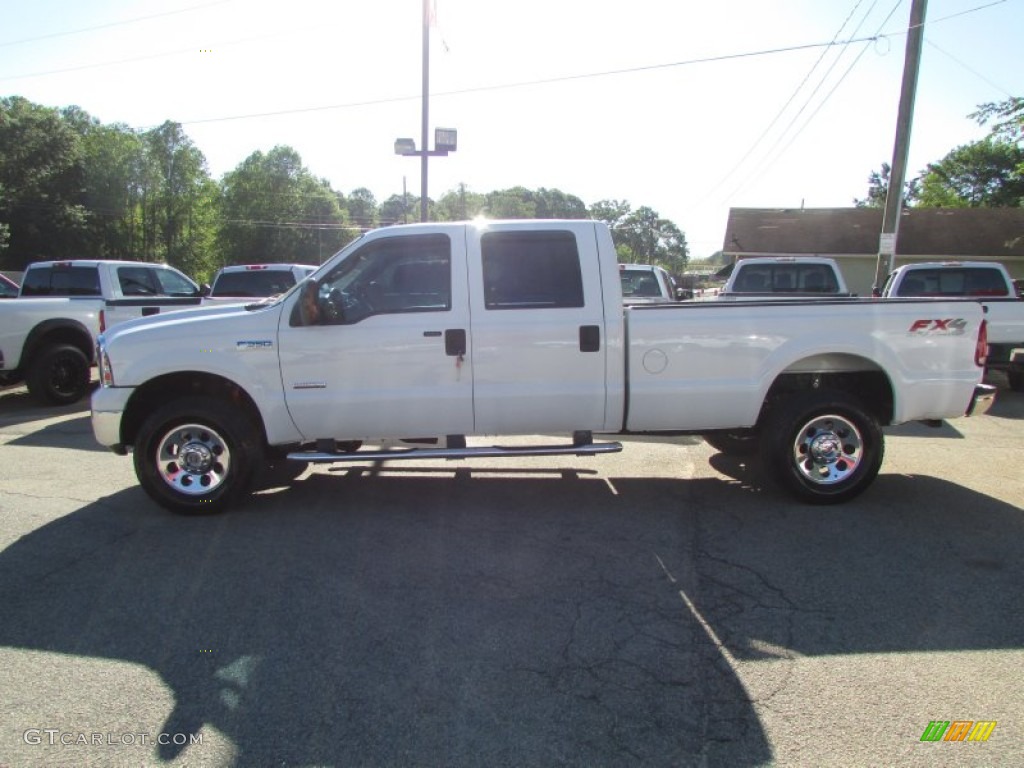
<point x="783" y="277"/>
<point x="455" y="330"/>
<point x="255" y="281"/>
<point x="988" y="284"/>
<point x="646" y="284"/>
<point x="48" y="333"/>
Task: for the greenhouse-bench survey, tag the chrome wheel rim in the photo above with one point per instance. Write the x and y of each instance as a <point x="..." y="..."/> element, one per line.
<point x="828" y="450"/>
<point x="193" y="459"/>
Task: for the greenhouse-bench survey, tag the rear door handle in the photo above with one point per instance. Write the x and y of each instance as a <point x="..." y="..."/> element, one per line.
<point x="455" y="342"/>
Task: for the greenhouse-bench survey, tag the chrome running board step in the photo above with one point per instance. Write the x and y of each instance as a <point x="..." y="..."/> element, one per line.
<point x="482" y="452"/>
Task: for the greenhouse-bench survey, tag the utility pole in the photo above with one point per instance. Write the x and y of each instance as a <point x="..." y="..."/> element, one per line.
<point x="424" y="133"/>
<point x="901" y="147"/>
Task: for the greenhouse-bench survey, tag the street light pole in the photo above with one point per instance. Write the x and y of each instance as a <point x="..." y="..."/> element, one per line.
<point x="445" y="139"/>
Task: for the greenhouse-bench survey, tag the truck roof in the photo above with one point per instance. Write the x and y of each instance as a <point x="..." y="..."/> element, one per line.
<point x="272" y="267"/>
<point x="93" y="263"/>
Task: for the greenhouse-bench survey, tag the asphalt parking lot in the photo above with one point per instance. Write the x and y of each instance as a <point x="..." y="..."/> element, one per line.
<point x="657" y="607"/>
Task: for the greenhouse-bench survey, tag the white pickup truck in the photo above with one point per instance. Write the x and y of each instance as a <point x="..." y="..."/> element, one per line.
<point x="451" y="330"/>
<point x="646" y="284"/>
<point x="48" y="333"/>
<point x="984" y="282"/>
<point x="255" y="281"/>
<point x="783" y="277"/>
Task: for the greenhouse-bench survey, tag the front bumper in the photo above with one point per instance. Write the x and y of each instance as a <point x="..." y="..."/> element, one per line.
<point x="983" y="398"/>
<point x="108" y="406"/>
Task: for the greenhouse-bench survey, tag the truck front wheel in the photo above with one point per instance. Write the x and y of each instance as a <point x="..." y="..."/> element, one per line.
<point x="824" y="447"/>
<point x="58" y="375"/>
<point x="196" y="455"/>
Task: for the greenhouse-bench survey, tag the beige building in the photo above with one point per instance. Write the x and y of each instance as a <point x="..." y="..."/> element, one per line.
<point x="851" y="237"/>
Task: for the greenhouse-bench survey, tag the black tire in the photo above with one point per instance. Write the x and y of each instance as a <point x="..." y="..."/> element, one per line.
<point x="1016" y="379"/>
<point x="59" y="375"/>
<point x="733" y="443"/>
<point x="832" y="426"/>
<point x="222" y="450"/>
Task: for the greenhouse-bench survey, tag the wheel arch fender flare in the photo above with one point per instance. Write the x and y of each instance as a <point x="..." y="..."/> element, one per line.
<point x="156" y="391"/>
<point x="58" y="331"/>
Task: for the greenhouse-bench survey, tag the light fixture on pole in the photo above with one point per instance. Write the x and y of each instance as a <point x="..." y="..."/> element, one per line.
<point x="445" y="140"/>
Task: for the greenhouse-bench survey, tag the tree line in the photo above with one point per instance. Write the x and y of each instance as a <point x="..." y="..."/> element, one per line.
<point x="73" y="187"/>
<point x="983" y="174"/>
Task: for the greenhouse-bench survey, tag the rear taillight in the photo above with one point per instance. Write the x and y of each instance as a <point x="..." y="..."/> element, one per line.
<point x="103" y="320"/>
<point x="981" y="348"/>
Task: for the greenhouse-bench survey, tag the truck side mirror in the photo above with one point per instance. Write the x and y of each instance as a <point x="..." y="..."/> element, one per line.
<point x="309" y="303"/>
<point x="204" y="289"/>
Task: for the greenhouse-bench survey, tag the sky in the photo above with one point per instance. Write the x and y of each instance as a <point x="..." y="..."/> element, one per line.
<point x="688" y="108"/>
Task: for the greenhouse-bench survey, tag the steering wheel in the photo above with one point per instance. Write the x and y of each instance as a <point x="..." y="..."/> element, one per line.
<point x="342" y="305"/>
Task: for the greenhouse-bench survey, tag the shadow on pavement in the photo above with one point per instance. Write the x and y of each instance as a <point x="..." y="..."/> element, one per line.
<point x="385" y="618"/>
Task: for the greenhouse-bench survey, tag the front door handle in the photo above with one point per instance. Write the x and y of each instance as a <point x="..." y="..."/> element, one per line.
<point x="455" y="342"/>
<point x="590" y="338"/>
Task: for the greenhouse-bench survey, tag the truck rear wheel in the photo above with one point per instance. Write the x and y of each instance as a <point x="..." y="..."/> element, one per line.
<point x="59" y="375"/>
<point x="196" y="455"/>
<point x="824" y="447"/>
<point x="1016" y="379"/>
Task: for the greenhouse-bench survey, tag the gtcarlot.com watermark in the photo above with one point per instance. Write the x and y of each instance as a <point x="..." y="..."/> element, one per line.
<point x="54" y="736"/>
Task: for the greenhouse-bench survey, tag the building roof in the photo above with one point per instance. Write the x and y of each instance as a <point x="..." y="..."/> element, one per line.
<point x="932" y="232"/>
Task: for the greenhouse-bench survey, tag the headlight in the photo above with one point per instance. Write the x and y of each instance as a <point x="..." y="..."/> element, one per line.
<point x="103" y="362"/>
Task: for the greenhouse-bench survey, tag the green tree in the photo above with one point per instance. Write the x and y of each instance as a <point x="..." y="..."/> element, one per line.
<point x="878" y="189"/>
<point x="983" y="174"/>
<point x="643" y="237"/>
<point x="400" y="209"/>
<point x="361" y="207"/>
<point x="555" y="204"/>
<point x="5" y="230"/>
<point x="1008" y="118"/>
<point x="460" y="204"/>
<point x="611" y="212"/>
<point x="513" y="203"/>
<point x="178" y="200"/>
<point x="111" y="158"/>
<point x="41" y="174"/>
<point x="275" y="210"/>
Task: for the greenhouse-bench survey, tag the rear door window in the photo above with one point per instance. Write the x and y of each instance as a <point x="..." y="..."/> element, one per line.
<point x="59" y="280"/>
<point x="531" y="270"/>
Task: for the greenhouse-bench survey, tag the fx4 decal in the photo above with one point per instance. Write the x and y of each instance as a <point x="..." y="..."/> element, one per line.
<point x="947" y="327"/>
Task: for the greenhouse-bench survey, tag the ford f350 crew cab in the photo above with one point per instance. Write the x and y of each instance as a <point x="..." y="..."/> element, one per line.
<point x="451" y="330"/>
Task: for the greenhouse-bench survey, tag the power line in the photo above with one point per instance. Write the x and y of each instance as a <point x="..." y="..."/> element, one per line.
<point x="148" y="57"/>
<point x="531" y="83"/>
<point x="972" y="71"/>
<point x="779" y="114"/>
<point x="108" y="25"/>
<point x="768" y="161"/>
<point x="586" y="76"/>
